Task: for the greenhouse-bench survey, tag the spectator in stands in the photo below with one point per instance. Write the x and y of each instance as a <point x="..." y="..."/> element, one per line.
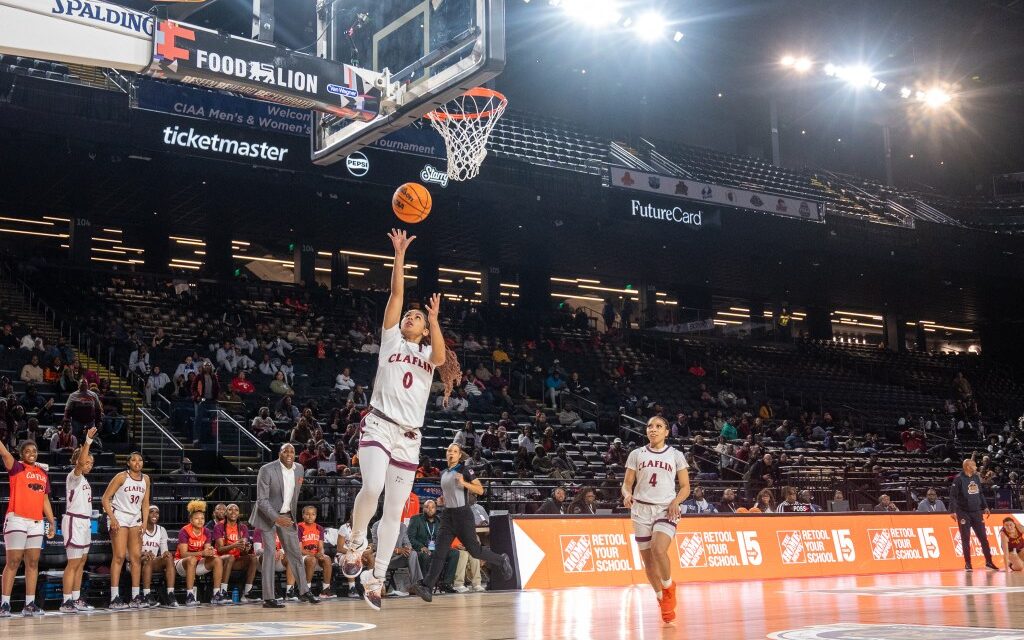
<point x="885" y="503"/>
<point x="344" y="381"/>
<point x="765" y="411"/>
<point x="697" y="371"/>
<point x="764" y="502"/>
<point x="456" y="404"/>
<point x="553" y="387"/>
<point x="427" y="469"/>
<point x="32" y="401"/>
<point x="697" y="504"/>
<point x="483" y="374"/>
<point x="541" y="463"/>
<point x="138" y="361"/>
<point x="499" y="355"/>
<point x="555" y="504"/>
<point x="729" y="431"/>
<point x="423" y="533"/>
<point x="278" y="345"/>
<point x="728" y="503"/>
<point x="280" y="386"/>
<point x="205" y="391"/>
<point x="186" y="367"/>
<point x="466" y="438"/>
<point x="790" y="504"/>
<point x="369" y="346"/>
<point x="161" y="341"/>
<point x="793" y="440"/>
<point x="301" y="434"/>
<point x="913" y="440"/>
<point x="805" y="498"/>
<point x="269" y="367"/>
<point x="489" y="440"/>
<point x="32" y="372"/>
<point x="241" y="384"/>
<point x="64" y="441"/>
<point x="569" y="418"/>
<point x="264" y="428"/>
<point x="7" y="339"/>
<point x="705" y="397"/>
<point x="616" y="453"/>
<point x="83" y="409"/>
<point x="470" y="344"/>
<point x="565" y="468"/>
<point x="503" y="438"/>
<point x="358" y="397"/>
<point x="61" y="350"/>
<point x="761" y="474"/>
<point x="931" y="503"/>
<point x="155" y="383"/>
<point x="32" y="341"/>
<point x="525" y="439"/>
<point x="585" y="502"/>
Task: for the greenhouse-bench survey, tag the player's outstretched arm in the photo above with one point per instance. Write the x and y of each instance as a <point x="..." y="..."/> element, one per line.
<point x="437" y="354"/>
<point x="393" y="312"/>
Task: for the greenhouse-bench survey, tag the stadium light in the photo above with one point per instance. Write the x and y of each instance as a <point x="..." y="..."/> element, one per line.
<point x="905" y="92"/>
<point x="650" y="26"/>
<point x="935" y="98"/>
<point x="597" y="13"/>
<point x="678" y="37"/>
<point x="802" y="65"/>
<point x="787" y="61"/>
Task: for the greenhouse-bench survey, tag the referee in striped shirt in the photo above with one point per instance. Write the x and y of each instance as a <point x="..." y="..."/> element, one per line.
<point x="459" y="488"/>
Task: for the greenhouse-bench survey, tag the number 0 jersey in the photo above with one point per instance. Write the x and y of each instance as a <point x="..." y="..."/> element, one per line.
<point x="404" y="374"/>
<point x="655" y="473"/>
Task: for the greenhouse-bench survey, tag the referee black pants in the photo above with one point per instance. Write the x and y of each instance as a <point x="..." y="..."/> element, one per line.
<point x="458" y="522"/>
<point x="973" y="521"/>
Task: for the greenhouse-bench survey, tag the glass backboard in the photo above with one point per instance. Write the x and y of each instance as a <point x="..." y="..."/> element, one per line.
<point x="435" y="50"/>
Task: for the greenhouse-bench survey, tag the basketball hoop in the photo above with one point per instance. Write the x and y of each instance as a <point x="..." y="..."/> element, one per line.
<point x="465" y="123"/>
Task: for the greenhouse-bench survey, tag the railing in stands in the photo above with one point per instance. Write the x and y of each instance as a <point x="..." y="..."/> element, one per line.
<point x="157" y="442"/>
<point x="238" y="440"/>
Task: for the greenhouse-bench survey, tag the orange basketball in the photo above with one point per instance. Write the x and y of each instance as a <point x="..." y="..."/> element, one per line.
<point x="411" y="203"/>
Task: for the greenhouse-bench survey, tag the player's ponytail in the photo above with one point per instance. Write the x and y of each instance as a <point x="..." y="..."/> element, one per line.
<point x="450" y="372"/>
<point x="75" y="455"/>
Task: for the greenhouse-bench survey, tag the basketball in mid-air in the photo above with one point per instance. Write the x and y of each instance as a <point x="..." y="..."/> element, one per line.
<point x="411" y="203"/>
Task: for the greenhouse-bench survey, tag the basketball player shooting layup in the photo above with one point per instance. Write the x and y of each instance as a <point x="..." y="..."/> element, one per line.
<point x="649" y="492"/>
<point x="411" y="347"/>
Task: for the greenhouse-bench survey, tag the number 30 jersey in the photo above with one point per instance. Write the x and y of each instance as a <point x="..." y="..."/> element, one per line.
<point x="655" y="473"/>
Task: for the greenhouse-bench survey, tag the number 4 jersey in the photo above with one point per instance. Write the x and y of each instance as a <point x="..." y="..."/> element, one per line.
<point x="655" y="474"/>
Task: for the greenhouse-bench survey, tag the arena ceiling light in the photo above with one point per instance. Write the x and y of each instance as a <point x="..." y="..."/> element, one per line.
<point x="650" y="26"/>
<point x="800" y="64"/>
<point x="935" y="98"/>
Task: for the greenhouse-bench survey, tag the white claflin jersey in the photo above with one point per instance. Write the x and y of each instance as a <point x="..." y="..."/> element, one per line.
<point x="128" y="498"/>
<point x="655" y="473"/>
<point x="155" y="542"/>
<point x="404" y="375"/>
<point x="78" y="495"/>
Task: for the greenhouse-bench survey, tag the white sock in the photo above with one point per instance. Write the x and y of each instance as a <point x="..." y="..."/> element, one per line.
<point x="224" y="586"/>
<point x="135" y="591"/>
<point x="665" y="584"/>
<point x="115" y="592"/>
<point x="658" y="594"/>
<point x="248" y="588"/>
<point x="145" y="592"/>
<point x="29" y="600"/>
<point x="170" y="590"/>
<point x="192" y="591"/>
<point x="309" y="585"/>
<point x="5" y="599"/>
<point x="76" y="595"/>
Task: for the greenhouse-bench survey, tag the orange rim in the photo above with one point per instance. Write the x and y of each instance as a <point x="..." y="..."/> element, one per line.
<point x="476" y="92"/>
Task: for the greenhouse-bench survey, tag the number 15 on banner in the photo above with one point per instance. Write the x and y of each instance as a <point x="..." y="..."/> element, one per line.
<point x="844" y="545"/>
<point x="750" y="548"/>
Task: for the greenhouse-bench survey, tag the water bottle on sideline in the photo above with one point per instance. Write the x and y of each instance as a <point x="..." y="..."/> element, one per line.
<point x="234" y="595"/>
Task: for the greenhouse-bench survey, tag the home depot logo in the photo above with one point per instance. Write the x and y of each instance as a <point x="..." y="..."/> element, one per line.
<point x="792" y="547"/>
<point x="881" y="544"/>
<point x="577" y="554"/>
<point x="691" y="550"/>
<point x="958" y="549"/>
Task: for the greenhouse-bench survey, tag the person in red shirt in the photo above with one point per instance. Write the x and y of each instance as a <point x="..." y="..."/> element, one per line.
<point x="231" y="538"/>
<point x="311" y="538"/>
<point x="196" y="556"/>
<point x="23" y="526"/>
<point x="412" y="508"/>
<point x="241" y="385"/>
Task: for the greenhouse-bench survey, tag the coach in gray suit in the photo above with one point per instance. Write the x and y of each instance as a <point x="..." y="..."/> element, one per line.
<point x="277" y="502"/>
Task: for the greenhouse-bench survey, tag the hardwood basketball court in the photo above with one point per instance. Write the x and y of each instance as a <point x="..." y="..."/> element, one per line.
<point x="937" y="606"/>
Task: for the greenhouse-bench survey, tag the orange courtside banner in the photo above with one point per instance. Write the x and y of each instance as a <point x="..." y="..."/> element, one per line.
<point x="601" y="552"/>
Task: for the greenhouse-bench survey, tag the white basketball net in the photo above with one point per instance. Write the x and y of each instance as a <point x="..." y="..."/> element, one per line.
<point x="465" y="124"/>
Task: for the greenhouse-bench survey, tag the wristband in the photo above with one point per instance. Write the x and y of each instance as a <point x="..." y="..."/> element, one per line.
<point x="88" y="440"/>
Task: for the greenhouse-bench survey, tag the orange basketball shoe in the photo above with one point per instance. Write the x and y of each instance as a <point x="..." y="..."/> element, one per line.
<point x="668" y="603"/>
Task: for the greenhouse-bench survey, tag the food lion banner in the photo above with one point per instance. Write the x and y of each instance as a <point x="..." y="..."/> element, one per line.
<point x="716" y="194"/>
<point x="601" y="552"/>
<point x="261" y="70"/>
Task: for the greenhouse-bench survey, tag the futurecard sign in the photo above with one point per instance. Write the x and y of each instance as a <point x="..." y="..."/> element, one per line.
<point x="715" y="195"/>
<point x="663" y="213"/>
<point x="193" y="55"/>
